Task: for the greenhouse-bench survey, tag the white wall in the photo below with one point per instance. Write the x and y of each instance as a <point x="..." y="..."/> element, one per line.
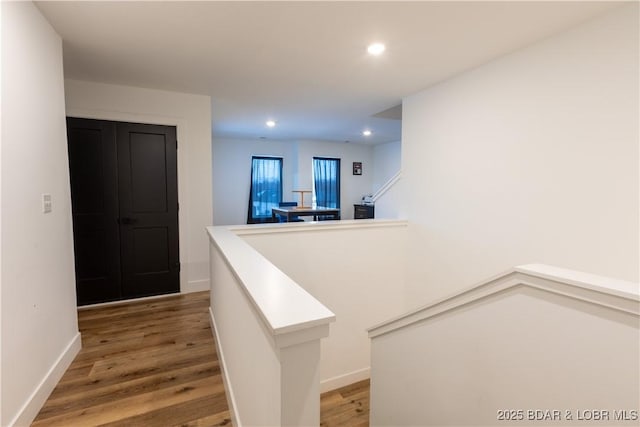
<point x="352" y="187"/>
<point x="232" y="170"/>
<point x="530" y="158"/>
<point x="389" y="205"/>
<point x="356" y="269"/>
<point x="39" y="321"/>
<point x="267" y="332"/>
<point x="192" y="116"/>
<point x="524" y="341"/>
<point x="386" y="163"/>
<point x="232" y="175"/>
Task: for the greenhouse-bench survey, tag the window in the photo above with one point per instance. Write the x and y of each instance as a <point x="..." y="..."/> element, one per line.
<point x="326" y="182"/>
<point x="266" y="188"/>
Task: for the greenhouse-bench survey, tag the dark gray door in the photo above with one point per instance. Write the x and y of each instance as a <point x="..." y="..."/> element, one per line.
<point x="125" y="209"/>
<point x="148" y="187"/>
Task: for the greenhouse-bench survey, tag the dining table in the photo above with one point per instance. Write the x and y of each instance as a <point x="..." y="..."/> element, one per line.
<point x="290" y="212"/>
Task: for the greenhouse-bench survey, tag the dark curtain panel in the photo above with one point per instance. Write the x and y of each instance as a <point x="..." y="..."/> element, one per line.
<point x="326" y="181"/>
<point x="266" y="188"/>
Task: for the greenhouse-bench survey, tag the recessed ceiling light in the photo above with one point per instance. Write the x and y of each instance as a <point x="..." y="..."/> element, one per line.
<point x="271" y="123"/>
<point x="376" y="48"/>
<point x="366" y="132"/>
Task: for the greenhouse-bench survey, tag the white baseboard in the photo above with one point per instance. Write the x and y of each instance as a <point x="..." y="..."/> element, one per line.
<point x="325" y="385"/>
<point x="125" y="301"/>
<point x="344" y="380"/>
<point x="231" y="401"/>
<point x="34" y="403"/>
<point x="196" y="286"/>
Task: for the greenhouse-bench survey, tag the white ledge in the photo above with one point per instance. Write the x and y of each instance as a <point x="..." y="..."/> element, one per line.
<point x="292" y="227"/>
<point x="281" y="303"/>
<point x="603" y="284"/>
<point x="610" y="293"/>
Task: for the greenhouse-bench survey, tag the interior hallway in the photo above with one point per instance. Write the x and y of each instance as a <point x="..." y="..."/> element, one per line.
<point x="154" y="363"/>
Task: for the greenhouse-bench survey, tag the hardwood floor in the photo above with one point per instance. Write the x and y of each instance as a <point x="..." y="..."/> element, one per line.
<point x="154" y="363"/>
<point x="148" y="363"/>
<point x="346" y="406"/>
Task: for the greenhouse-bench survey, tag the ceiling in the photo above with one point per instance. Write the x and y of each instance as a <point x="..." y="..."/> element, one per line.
<point x="303" y="64"/>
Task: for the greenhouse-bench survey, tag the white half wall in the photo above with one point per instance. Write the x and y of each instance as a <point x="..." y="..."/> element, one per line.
<point x="232" y="173"/>
<point x="191" y="114"/>
<point x="530" y="158"/>
<point x="39" y="337"/>
<point x="535" y="339"/>
<point x="355" y="268"/>
<point x="267" y="330"/>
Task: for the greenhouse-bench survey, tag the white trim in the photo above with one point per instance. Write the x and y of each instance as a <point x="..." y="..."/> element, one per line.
<point x="182" y="131"/>
<point x="297" y="337"/>
<point x="281" y="303"/>
<point x="603" y="284"/>
<point x="392" y="181"/>
<point x="344" y="380"/>
<point x="196" y="286"/>
<point x="608" y="293"/>
<point x="193" y="286"/>
<point x="231" y="400"/>
<point x="36" y="400"/>
<point x="294" y="227"/>
<point x="128" y="301"/>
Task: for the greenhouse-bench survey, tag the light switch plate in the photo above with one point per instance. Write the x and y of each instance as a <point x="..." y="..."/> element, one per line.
<point x="46" y="203"/>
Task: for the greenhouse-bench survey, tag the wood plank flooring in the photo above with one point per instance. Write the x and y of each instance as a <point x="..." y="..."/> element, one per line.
<point x="154" y="363"/>
<point x="346" y="406"/>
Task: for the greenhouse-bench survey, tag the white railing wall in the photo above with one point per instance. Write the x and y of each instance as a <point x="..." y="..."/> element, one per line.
<point x="268" y="332"/>
<point x="537" y="345"/>
<point x="355" y="267"/>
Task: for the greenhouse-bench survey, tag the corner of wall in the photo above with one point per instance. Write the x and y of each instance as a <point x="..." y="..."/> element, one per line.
<point x="39" y="336"/>
<point x="37" y="399"/>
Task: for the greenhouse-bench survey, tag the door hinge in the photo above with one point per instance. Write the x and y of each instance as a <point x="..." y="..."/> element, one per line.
<point x="178" y="265"/>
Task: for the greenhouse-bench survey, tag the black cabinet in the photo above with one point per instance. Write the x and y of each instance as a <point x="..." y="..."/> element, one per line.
<point x="363" y="211"/>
